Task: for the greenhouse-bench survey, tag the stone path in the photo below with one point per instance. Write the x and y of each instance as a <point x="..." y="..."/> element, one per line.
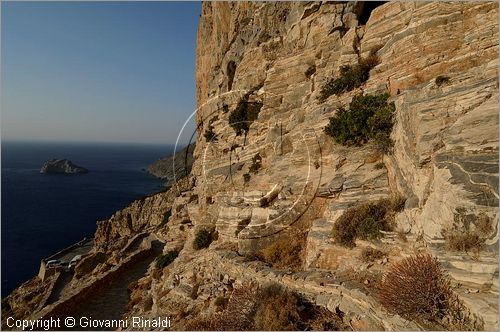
<point x="61" y="283"/>
<point x="107" y="297"/>
<point x="111" y="302"/>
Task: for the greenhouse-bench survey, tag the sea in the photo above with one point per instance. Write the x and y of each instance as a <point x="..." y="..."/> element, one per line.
<point x="44" y="213"/>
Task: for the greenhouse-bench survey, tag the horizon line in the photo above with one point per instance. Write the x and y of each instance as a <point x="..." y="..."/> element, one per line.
<point x="32" y="140"/>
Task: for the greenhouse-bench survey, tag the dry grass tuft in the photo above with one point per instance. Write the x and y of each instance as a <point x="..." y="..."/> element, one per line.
<point x="464" y="241"/>
<point x="286" y="252"/>
<point x="370" y="254"/>
<point x="417" y="288"/>
<point x="288" y="249"/>
<point x="396" y="203"/>
<point x="483" y="224"/>
<point x="277" y="311"/>
<point x="269" y="308"/>
<point x="402" y="237"/>
<point x="466" y="238"/>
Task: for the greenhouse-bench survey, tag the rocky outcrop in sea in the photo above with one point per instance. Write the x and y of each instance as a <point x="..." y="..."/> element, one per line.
<point x="62" y="166"/>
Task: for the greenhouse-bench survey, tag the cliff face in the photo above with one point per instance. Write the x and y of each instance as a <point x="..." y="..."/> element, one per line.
<point x="276" y="191"/>
<point x="445" y="152"/>
<point x="445" y="155"/>
<point x="272" y="195"/>
<point x="444" y="159"/>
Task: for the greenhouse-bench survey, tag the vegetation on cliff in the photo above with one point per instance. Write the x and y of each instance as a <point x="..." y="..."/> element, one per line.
<point x="166" y="259"/>
<point x="209" y="134"/>
<point x="202" y="239"/>
<point x="418" y="288"/>
<point x="366" y="221"/>
<point x="469" y="233"/>
<point x="287" y="251"/>
<point x="369" y="117"/>
<point x="243" y="115"/>
<point x="441" y="80"/>
<point x="166" y="216"/>
<point x="268" y="308"/>
<point x="351" y="77"/>
<point x="370" y="254"/>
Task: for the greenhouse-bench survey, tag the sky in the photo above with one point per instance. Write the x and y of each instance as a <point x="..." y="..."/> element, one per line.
<point x="98" y="71"/>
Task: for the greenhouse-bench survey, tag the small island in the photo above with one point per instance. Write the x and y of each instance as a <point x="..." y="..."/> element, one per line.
<point x="62" y="166"/>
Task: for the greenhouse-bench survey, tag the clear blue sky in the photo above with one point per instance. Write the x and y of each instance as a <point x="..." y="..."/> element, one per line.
<point x="97" y="71"/>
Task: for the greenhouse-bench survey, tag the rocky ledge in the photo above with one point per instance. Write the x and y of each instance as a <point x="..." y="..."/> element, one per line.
<point x="65" y="166"/>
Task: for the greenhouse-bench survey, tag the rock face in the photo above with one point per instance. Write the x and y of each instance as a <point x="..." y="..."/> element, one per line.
<point x="446" y="143"/>
<point x="174" y="167"/>
<point x="283" y="183"/>
<point x="444" y="159"/>
<point x="62" y="166"/>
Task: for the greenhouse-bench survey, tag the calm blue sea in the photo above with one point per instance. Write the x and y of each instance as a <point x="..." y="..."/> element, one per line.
<point x="42" y="213"/>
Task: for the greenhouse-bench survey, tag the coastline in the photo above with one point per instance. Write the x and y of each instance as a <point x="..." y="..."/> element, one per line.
<point x="115" y="181"/>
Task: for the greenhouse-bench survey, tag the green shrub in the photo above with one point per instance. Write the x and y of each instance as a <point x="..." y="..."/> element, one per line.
<point x="164" y="260"/>
<point x="202" y="239"/>
<point x="368" y="117"/>
<point x="379" y="165"/>
<point x="365" y="221"/>
<point x="369" y="228"/>
<point x="351" y="77"/>
<point x="440" y="80"/>
<point x="383" y="142"/>
<point x="165" y="218"/>
<point x="243" y="115"/>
